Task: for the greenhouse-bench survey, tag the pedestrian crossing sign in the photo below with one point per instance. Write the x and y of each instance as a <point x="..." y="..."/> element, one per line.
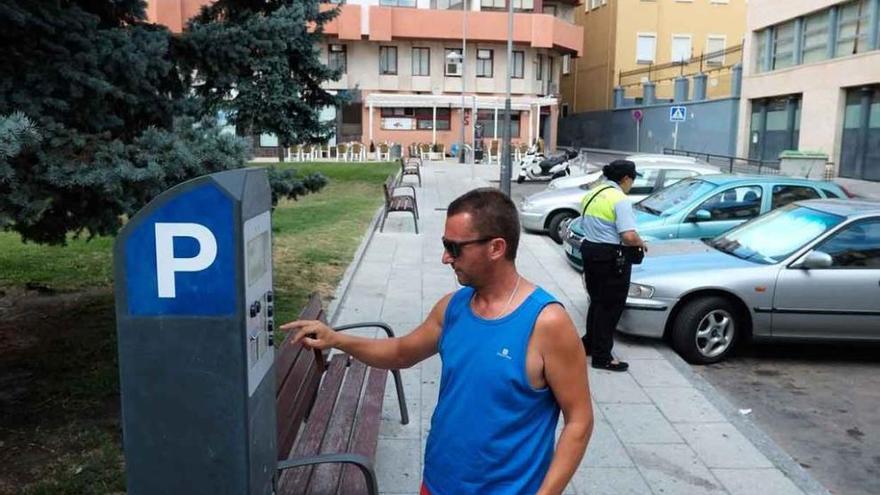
<point x="677" y="114"/>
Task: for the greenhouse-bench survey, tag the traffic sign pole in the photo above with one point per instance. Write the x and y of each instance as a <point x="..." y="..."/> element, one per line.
<point x="675" y="137"/>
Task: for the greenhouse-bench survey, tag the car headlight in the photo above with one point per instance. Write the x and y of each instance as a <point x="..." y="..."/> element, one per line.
<point x="640" y="291"/>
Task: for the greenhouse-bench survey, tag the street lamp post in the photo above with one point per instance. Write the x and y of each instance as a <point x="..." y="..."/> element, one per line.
<point x="505" y="145"/>
<point x="460" y="58"/>
<point x="462" y="154"/>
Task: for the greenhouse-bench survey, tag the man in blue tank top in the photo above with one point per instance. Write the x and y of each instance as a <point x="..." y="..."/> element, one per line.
<point x="512" y="360"/>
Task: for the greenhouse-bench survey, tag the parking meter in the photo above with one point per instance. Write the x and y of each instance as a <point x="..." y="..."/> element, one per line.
<point x="194" y="310"/>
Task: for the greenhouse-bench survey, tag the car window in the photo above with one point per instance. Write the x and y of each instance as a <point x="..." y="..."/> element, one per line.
<point x="645" y="184"/>
<point x="856" y="246"/>
<point x="785" y="194"/>
<point x="676" y="197"/>
<point x="830" y="193"/>
<point x="737" y="203"/>
<point x="675" y="175"/>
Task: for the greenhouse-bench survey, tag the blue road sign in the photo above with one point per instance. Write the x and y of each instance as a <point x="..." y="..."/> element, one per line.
<point x="180" y="259"/>
<point x="677" y="114"/>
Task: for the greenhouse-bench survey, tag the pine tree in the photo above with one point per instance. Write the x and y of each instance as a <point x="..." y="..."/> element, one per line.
<point x="97" y="113"/>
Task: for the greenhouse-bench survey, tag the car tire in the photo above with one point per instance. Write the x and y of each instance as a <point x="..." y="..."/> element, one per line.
<point x="520" y="179"/>
<point x="706" y="329"/>
<point x="557" y="221"/>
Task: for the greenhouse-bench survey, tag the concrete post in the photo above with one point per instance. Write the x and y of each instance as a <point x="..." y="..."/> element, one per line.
<point x="736" y="78"/>
<point x="619" y="95"/>
<point x="649" y="93"/>
<point x="682" y="86"/>
<point x="700" y="86"/>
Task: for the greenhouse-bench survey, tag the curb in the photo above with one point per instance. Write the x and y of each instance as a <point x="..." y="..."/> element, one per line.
<point x="344" y="284"/>
<point x="766" y="445"/>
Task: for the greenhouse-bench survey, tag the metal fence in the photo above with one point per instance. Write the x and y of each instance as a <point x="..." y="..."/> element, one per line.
<point x="715" y="64"/>
<point x="731" y="164"/>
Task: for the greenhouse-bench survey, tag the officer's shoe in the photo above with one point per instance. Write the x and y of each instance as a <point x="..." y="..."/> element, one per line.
<point x="610" y="365"/>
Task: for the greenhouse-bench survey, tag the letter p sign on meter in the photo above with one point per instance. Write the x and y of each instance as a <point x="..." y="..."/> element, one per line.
<point x="194" y="311"/>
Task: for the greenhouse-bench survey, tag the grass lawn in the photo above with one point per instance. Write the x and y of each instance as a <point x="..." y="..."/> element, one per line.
<point x="59" y="398"/>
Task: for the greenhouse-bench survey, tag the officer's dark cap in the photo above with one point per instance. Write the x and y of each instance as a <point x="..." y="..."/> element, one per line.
<point x="618" y="169"/>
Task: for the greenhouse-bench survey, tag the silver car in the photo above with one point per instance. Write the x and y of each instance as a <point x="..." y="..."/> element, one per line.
<point x="807" y="271"/>
<point x="551" y="210"/>
<point x="592" y="171"/>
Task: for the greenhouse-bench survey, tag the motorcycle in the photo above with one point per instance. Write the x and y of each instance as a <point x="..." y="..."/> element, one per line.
<point x="534" y="166"/>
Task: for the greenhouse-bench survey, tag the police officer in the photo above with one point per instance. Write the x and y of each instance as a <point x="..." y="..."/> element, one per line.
<point x="610" y="245"/>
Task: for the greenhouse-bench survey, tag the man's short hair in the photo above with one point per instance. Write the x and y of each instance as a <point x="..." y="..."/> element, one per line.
<point x="493" y="214"/>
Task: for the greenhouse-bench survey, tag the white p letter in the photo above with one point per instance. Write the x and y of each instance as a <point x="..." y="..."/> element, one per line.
<point x="167" y="265"/>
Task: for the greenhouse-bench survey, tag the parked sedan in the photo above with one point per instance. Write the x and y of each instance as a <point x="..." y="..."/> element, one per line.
<point x="708" y="205"/>
<point x="807" y="271"/>
<point x="551" y="210"/>
<point x="643" y="161"/>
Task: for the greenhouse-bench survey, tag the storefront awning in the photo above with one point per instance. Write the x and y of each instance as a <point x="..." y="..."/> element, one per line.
<point x="395" y="100"/>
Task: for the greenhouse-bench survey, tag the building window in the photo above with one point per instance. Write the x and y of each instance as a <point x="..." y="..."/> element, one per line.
<point x="550" y="9"/>
<point x="761" y="37"/>
<point x="408" y="119"/>
<point x="539" y="69"/>
<point x="487" y="119"/>
<point x="502" y="4"/>
<point x="484" y="63"/>
<point x="336" y="59"/>
<point x="388" y="60"/>
<point x="681" y="47"/>
<point x="715" y="50"/>
<point x="815" y="38"/>
<point x="453" y="63"/>
<point x="595" y="4"/>
<point x="782" y="54"/>
<point x="646" y="48"/>
<point x="421" y="61"/>
<point x="524" y="4"/>
<point x="775" y="126"/>
<point x="425" y="119"/>
<point x="565" y="110"/>
<point x="860" y="144"/>
<point x="566" y="64"/>
<point x="268" y="141"/>
<point x="398" y="3"/>
<point x="493" y="4"/>
<point x="519" y="62"/>
<point x="853" y="21"/>
<point x="551" y="69"/>
<point x="449" y="4"/>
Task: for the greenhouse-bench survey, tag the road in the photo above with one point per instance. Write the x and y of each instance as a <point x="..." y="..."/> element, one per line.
<point x="819" y="402"/>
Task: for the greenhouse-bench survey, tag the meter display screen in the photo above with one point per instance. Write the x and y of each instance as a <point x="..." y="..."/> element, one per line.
<point x="257" y="257"/>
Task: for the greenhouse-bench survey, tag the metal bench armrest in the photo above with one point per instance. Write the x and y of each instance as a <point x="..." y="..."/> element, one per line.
<point x="398" y="381"/>
<point x="358" y="460"/>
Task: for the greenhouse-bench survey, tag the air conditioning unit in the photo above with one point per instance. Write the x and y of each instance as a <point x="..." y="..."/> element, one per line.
<point x="453" y="69"/>
<point x="553" y="88"/>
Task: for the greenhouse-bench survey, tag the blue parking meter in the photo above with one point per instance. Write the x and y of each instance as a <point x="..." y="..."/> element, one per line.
<point x="194" y="311"/>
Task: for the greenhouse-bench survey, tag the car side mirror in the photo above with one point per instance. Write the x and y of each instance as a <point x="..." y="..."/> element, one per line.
<point x="701" y="216"/>
<point x="815" y="260"/>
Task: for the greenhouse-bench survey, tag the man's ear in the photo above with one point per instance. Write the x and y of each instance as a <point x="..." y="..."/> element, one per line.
<point x="497" y="248"/>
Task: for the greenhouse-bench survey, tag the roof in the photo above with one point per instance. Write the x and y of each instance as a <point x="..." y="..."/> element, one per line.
<point x="844" y="207"/>
<point x="721" y="179"/>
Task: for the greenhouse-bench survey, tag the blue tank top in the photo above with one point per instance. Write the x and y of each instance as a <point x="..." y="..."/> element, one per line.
<point x="491" y="433"/>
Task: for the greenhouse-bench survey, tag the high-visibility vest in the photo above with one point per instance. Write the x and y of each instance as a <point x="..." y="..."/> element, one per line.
<point x="600" y="203"/>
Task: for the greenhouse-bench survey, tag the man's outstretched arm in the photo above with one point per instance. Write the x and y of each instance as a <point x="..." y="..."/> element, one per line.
<point x="565" y="369"/>
<point x="396" y="353"/>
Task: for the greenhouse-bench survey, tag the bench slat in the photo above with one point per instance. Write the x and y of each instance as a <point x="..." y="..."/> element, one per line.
<point x="325" y="478"/>
<point x="366" y="436"/>
<point x="294" y="398"/>
<point x="295" y="480"/>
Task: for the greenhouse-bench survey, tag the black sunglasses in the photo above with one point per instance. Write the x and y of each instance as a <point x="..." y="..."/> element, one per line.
<point x="454" y="247"/>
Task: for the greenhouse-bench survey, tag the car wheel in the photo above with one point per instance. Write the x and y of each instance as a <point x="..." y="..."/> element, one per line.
<point x="520" y="179"/>
<point x="705" y="330"/>
<point x="557" y="225"/>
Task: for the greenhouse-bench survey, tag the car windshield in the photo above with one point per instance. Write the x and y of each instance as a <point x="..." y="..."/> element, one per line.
<point x="773" y="237"/>
<point x="674" y="197"/>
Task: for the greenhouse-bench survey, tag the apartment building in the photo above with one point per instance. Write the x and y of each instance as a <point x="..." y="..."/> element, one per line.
<point x="622" y="36"/>
<point x="811" y="81"/>
<point x="407" y="63"/>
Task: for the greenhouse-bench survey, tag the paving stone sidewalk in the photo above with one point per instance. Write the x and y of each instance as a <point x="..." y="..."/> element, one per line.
<point x="657" y="430"/>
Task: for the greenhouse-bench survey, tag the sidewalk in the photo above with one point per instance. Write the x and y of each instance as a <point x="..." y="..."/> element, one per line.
<point x="659" y="429"/>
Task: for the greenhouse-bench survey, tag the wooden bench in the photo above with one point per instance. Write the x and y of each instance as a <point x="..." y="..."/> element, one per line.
<point x="329" y="408"/>
<point x="397" y="202"/>
<point x="411" y="166"/>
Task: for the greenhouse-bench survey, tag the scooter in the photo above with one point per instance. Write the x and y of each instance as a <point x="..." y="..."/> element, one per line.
<point x="534" y="166"/>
